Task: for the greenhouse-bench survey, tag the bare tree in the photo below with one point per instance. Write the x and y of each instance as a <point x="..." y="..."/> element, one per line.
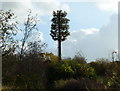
<point x="34" y="49"/>
<point x="29" y="25"/>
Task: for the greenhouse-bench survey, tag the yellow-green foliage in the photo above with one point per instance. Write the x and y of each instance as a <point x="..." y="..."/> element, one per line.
<point x="68" y="69"/>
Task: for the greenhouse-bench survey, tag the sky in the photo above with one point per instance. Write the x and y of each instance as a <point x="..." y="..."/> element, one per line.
<point x="93" y="25"/>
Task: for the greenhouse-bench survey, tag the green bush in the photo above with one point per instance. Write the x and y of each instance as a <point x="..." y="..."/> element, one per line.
<point x="68" y="69"/>
<point x="83" y="70"/>
<point x="114" y="81"/>
<point x="100" y="67"/>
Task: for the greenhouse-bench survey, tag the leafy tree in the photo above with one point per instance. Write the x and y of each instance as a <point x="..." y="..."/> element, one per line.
<point x="59" y="28"/>
<point x="8" y="29"/>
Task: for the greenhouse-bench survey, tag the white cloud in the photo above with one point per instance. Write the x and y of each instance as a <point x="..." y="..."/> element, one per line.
<point x="109" y="5"/>
<point x="41" y="7"/>
<point x="81" y="34"/>
<point x="94" y="43"/>
<point x="36" y="36"/>
<point x="65" y="7"/>
<point x="76" y="41"/>
<point x="47" y="6"/>
<point x="19" y="8"/>
<point x="90" y="31"/>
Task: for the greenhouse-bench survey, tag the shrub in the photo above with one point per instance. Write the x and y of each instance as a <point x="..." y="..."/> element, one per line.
<point x="79" y="58"/>
<point x="68" y="69"/>
<point x="100" y="66"/>
<point x="83" y="70"/>
<point x="23" y="74"/>
<point x="114" y="81"/>
<point x="83" y="83"/>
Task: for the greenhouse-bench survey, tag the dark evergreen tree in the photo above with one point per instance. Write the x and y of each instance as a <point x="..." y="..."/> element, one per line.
<point x="59" y="28"/>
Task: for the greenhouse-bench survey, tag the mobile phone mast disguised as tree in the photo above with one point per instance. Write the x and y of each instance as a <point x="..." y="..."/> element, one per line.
<point x="59" y="28"/>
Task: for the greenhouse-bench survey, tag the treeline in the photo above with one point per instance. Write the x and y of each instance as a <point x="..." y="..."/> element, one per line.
<point x="37" y="73"/>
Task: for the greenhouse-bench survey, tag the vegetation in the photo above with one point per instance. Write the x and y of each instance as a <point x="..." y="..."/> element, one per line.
<point x="8" y="29"/>
<point x="40" y="70"/>
<point x="29" y="25"/>
<point x="68" y="74"/>
<point x="59" y="28"/>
